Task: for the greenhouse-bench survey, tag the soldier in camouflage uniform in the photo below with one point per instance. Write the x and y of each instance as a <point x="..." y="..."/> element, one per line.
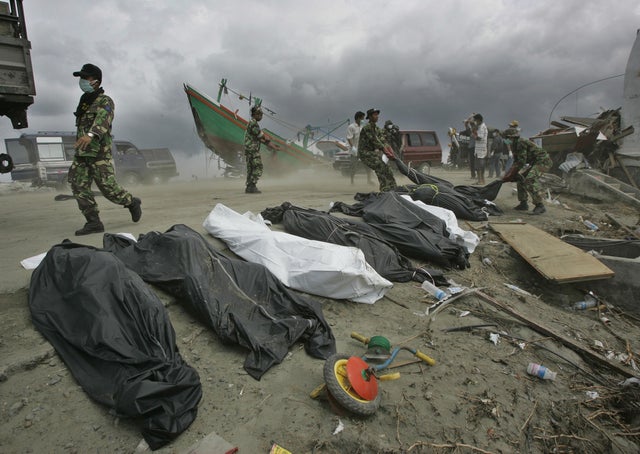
<point x="253" y="138"/>
<point x="529" y="163"/>
<point x="372" y="142"/>
<point x="92" y="160"/>
<point x="392" y="137"/>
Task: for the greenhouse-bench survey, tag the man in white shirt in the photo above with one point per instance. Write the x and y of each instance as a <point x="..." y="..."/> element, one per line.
<point x="481" y="136"/>
<point x="353" y="135"/>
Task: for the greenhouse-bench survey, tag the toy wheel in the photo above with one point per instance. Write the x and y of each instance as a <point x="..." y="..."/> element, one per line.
<point x="335" y="376"/>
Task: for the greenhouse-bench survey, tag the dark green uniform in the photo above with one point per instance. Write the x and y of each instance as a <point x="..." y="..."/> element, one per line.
<point x="95" y="162"/>
<point x="370" y="145"/>
<point x="525" y="152"/>
<point x="252" y="140"/>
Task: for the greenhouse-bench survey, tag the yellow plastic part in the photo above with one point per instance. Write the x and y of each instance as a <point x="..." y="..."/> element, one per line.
<point x="360" y="337"/>
<point x="317" y="391"/>
<point x="427" y="359"/>
<point x="388" y="377"/>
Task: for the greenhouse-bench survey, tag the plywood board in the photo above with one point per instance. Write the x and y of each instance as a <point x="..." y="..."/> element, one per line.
<point x="553" y="258"/>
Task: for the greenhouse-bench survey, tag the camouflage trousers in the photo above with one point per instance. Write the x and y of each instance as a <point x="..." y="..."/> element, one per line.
<point x="373" y="160"/>
<point x="254" y="166"/>
<point x="531" y="184"/>
<point x="85" y="171"/>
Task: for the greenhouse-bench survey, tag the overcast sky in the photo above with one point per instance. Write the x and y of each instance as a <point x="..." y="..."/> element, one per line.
<point x="424" y="64"/>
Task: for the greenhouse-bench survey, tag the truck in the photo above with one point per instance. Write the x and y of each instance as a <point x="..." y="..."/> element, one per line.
<point x="17" y="86"/>
<point x="419" y="149"/>
<point x="44" y="158"/>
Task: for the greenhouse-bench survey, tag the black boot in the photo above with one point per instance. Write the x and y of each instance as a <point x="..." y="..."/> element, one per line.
<point x="539" y="208"/>
<point x="252" y="189"/>
<point x="524" y="206"/>
<point x="93" y="225"/>
<point x="135" y="209"/>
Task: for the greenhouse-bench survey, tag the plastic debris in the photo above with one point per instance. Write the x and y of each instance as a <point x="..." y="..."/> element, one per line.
<point x="592" y="395"/>
<point x="517" y="289"/>
<point x="494" y="337"/>
<point x="338" y="429"/>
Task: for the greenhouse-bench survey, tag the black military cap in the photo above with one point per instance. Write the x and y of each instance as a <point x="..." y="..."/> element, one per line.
<point x="371" y="112"/>
<point x="89" y="70"/>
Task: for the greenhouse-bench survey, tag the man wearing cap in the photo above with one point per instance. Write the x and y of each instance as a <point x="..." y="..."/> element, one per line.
<point x="370" y="148"/>
<point x="93" y="160"/>
<point x="253" y="138"/>
<point x="529" y="163"/>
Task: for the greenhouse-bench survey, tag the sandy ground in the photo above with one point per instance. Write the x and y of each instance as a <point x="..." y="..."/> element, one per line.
<point x="476" y="398"/>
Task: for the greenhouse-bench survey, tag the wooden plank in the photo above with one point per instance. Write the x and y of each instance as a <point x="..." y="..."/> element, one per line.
<point x="553" y="258"/>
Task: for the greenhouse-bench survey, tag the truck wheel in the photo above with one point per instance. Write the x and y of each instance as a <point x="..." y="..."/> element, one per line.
<point x="131" y="179"/>
<point x="425" y="168"/>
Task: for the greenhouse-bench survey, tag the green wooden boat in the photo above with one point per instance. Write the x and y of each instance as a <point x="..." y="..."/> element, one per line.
<point x="222" y="131"/>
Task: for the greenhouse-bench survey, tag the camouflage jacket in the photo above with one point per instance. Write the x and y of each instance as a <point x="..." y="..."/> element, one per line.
<point x="97" y="119"/>
<point x="253" y="136"/>
<point x="526" y="152"/>
<point x="371" y="138"/>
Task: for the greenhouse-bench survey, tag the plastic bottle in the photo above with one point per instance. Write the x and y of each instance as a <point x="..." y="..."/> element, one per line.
<point x="433" y="290"/>
<point x="540" y="371"/>
<point x="589" y="301"/>
<point x="590" y="225"/>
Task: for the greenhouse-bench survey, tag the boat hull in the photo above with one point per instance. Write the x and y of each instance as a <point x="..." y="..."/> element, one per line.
<point x="222" y="131"/>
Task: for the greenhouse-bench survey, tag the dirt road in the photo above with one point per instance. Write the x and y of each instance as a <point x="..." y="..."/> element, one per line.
<point x="477" y="398"/>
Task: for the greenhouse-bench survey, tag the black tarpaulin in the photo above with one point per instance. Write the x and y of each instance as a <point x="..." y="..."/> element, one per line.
<point x="383" y="256"/>
<point x="466" y="202"/>
<point x="115" y="336"/>
<point x="242" y="302"/>
<point x="414" y="231"/>
<point x="462" y="206"/>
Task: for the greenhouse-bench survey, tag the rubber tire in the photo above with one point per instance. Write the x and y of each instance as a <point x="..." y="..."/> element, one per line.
<point x="130" y="179"/>
<point x="341" y="392"/>
<point x="6" y="163"/>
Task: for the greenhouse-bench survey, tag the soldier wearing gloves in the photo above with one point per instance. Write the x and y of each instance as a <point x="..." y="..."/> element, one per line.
<point x="371" y="147"/>
<point x="529" y="163"/>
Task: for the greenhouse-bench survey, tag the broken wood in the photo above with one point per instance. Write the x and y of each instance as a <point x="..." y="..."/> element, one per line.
<point x="624" y="133"/>
<point x="615" y="159"/>
<point x="587" y="354"/>
<point x="555" y="259"/>
<point x="394" y="301"/>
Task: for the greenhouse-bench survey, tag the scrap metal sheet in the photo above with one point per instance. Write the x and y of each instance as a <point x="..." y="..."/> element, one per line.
<point x="553" y="258"/>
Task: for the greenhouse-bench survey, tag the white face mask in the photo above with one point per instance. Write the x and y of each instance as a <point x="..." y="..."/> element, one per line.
<point x="85" y="86"/>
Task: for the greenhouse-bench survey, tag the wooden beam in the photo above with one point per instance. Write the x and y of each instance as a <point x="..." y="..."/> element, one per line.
<point x="573" y="345"/>
<point x="617" y="223"/>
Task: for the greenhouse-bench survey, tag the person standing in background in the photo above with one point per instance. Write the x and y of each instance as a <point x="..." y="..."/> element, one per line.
<point x="253" y="138"/>
<point x="92" y="161"/>
<point x="498" y="155"/>
<point x="470" y="128"/>
<point x="481" y="136"/>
